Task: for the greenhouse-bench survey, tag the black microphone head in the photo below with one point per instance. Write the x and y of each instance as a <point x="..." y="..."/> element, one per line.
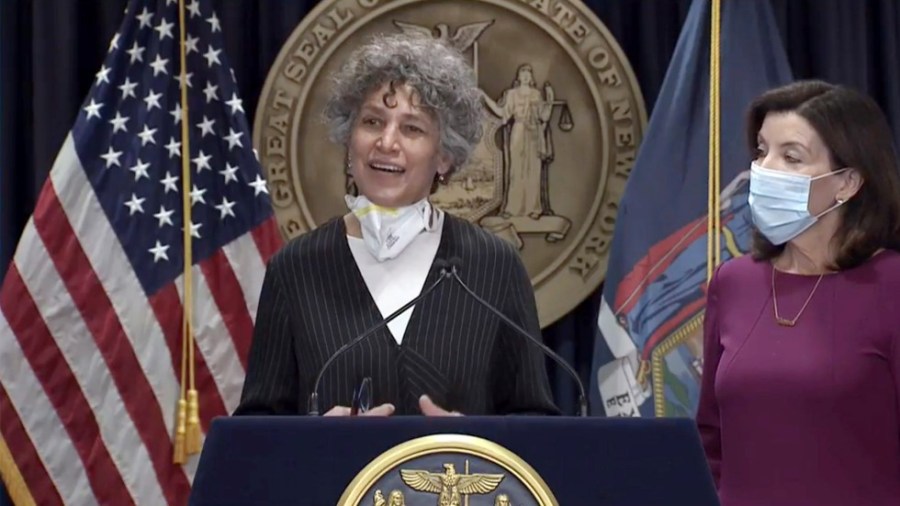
<point x="455" y="264"/>
<point x="443" y="267"/>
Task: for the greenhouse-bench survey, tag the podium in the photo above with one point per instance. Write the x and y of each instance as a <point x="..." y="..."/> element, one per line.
<point x="311" y="461"/>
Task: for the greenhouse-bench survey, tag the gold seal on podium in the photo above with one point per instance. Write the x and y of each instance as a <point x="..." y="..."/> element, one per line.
<point x="448" y="470"/>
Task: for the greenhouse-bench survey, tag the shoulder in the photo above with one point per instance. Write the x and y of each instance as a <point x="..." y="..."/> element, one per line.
<point x="875" y="284"/>
<point x="472" y="240"/>
<point x="740" y="268"/>
<point x="319" y="243"/>
<point x="886" y="263"/>
<point x="883" y="269"/>
<point x="484" y="255"/>
<point x="741" y="274"/>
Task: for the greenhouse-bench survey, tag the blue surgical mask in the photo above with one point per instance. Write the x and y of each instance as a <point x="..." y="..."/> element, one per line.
<point x="779" y="203"/>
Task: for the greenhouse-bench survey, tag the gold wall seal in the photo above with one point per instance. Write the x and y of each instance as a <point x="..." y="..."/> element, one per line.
<point x="448" y="469"/>
<point x="552" y="166"/>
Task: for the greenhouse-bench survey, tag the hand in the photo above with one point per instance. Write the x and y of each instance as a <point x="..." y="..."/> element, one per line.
<point x="429" y="408"/>
<point x="382" y="410"/>
<point x="491" y="104"/>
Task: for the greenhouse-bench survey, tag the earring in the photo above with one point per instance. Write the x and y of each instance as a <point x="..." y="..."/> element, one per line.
<point x="442" y="179"/>
<point x="840" y="201"/>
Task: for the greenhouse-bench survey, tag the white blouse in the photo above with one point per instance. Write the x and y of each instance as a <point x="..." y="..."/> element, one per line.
<point x="398" y="280"/>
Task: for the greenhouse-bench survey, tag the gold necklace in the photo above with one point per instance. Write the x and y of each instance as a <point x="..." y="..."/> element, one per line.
<point x="784" y="322"/>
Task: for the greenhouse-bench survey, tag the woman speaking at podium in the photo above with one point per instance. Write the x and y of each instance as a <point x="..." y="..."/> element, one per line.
<point x="408" y="112"/>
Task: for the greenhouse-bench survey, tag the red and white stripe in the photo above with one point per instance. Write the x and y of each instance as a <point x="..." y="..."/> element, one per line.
<point x="89" y="366"/>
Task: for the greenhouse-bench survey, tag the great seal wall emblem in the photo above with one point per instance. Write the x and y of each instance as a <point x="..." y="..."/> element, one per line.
<point x="564" y="119"/>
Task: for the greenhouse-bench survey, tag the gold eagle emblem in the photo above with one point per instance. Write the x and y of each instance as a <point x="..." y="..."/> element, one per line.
<point x="462" y="40"/>
<point x="450" y="486"/>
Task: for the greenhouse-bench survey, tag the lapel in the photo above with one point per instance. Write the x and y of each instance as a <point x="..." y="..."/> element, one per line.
<point x="419" y="319"/>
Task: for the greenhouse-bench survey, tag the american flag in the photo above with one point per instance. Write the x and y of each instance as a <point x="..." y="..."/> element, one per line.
<point x="91" y="307"/>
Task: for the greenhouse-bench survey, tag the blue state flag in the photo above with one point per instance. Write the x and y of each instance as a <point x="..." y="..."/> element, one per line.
<point x="648" y="356"/>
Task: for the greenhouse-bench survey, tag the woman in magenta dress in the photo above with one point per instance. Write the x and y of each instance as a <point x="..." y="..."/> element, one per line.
<point x="800" y="399"/>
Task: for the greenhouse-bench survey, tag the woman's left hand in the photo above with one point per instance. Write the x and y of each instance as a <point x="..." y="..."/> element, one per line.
<point x="429" y="408"/>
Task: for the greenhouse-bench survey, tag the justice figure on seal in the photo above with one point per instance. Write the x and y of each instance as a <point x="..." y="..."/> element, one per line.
<point x="526" y="141"/>
<point x="408" y="113"/>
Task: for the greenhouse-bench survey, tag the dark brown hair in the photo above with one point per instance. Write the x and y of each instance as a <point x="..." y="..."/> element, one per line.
<point x="857" y="134"/>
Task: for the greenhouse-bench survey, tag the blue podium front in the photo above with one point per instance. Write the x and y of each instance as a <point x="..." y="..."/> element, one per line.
<point x="314" y="461"/>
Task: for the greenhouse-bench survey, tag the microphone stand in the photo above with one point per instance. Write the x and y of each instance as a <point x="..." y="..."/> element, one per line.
<point x="313" y="404"/>
<point x="582" y="397"/>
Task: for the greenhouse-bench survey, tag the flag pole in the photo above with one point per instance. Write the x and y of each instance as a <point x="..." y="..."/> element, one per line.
<point x="186" y="428"/>
<point x="16" y="487"/>
<point x="713" y="252"/>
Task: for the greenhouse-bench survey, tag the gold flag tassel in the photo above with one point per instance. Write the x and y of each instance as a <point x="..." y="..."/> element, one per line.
<point x="193" y="421"/>
<point x="181" y="421"/>
<point x="180" y="432"/>
<point x="193" y="426"/>
<point x="187" y="426"/>
<point x="714" y="223"/>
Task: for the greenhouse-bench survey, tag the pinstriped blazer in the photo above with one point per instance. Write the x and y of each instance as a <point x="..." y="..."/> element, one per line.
<point x="314" y="300"/>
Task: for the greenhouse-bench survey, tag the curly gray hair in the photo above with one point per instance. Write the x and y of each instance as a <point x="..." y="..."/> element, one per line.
<point x="441" y="77"/>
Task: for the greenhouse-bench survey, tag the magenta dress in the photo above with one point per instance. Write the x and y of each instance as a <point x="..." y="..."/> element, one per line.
<point x="803" y="415"/>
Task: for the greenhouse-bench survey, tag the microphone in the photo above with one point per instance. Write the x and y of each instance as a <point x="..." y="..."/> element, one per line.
<point x="582" y="397"/>
<point x="313" y="404"/>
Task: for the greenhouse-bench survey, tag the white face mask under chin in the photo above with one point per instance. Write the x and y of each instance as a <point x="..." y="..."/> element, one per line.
<point x="386" y="231"/>
<point x="779" y="203"/>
